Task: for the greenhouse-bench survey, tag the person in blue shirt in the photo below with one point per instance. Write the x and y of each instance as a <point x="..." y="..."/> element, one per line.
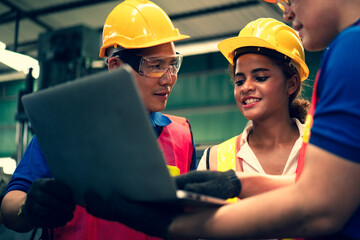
<point x="324" y="203"/>
<point x="132" y="35"/>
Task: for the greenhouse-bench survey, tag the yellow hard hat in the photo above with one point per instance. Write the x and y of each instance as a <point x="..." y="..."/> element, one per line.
<point x="138" y="24"/>
<point x="271" y="34"/>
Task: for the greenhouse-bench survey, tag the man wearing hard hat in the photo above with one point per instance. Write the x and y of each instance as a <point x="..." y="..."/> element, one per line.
<point x="140" y="34"/>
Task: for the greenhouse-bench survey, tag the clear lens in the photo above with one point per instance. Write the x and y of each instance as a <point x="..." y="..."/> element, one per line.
<point x="156" y="67"/>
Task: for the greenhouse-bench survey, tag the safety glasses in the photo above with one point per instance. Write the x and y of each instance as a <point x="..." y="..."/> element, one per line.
<point x="153" y="67"/>
<point x="284" y="4"/>
<point x="156" y="67"/>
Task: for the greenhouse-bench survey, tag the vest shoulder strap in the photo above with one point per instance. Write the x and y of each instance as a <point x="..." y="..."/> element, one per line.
<point x="223" y="156"/>
<point x="180" y="120"/>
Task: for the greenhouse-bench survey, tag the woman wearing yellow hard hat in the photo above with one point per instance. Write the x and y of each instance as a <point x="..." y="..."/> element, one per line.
<point x="267" y="65"/>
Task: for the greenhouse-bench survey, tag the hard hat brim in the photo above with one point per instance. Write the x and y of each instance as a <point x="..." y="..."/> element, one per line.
<point x="145" y="45"/>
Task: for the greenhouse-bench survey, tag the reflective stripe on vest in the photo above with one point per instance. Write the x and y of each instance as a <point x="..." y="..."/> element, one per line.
<point x="175" y="141"/>
<point x="226" y="157"/>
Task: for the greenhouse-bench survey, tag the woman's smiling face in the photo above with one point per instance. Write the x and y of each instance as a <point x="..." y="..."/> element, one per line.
<point x="260" y="87"/>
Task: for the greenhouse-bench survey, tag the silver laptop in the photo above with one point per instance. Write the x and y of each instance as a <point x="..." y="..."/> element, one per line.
<point x="96" y="135"/>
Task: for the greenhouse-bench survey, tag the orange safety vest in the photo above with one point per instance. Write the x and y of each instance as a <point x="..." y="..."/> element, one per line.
<point x="177" y="137"/>
<point x="175" y="141"/>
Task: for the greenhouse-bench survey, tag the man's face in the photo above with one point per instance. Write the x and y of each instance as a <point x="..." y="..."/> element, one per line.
<point x="317" y="21"/>
<point x="154" y="91"/>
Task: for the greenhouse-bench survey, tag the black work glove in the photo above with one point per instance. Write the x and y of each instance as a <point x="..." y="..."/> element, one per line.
<point x="49" y="203"/>
<point x="217" y="184"/>
<point x="150" y="218"/>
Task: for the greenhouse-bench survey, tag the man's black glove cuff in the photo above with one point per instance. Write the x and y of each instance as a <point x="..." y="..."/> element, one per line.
<point x="217" y="184"/>
<point x="235" y="184"/>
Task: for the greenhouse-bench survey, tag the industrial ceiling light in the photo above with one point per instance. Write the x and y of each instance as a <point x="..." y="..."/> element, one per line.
<point x="198" y="48"/>
<point x="19" y="62"/>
